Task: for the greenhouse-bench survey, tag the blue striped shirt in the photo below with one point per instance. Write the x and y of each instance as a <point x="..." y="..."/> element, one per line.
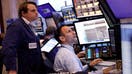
<point x="67" y="61"/>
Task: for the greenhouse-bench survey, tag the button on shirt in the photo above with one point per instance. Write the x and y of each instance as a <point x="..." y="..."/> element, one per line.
<point x="67" y="61"/>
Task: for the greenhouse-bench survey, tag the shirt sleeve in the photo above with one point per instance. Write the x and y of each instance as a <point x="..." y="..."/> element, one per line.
<point x="9" y="46"/>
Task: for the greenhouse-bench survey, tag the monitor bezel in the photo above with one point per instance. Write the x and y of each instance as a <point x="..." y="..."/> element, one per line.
<point x="46" y="7"/>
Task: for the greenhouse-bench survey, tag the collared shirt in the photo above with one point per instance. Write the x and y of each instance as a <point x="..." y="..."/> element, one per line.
<point x="67" y="61"/>
<point x="26" y="21"/>
<point x="30" y="25"/>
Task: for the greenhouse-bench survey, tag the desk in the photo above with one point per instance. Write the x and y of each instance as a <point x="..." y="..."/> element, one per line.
<point x="101" y="69"/>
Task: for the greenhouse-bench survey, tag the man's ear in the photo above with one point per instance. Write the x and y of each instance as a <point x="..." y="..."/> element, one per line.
<point x="23" y="13"/>
<point x="62" y="38"/>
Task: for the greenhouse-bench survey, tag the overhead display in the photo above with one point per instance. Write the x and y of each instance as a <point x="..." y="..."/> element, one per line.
<point x="86" y="8"/>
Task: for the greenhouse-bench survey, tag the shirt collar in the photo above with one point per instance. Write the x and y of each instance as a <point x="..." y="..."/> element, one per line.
<point x="26" y="21"/>
<point x="68" y="47"/>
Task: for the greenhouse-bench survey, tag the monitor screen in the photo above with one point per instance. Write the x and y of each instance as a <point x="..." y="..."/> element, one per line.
<point x="86" y="8"/>
<point x="38" y="24"/>
<point x="126" y="47"/>
<point x="92" y="31"/>
<point x="49" y="45"/>
<point x="90" y="51"/>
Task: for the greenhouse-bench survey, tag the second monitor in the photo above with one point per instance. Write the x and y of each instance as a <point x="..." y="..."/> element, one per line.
<point x="92" y="31"/>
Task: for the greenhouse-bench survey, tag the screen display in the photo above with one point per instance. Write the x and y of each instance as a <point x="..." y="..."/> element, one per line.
<point x="86" y="8"/>
<point x="38" y="24"/>
<point x="126" y="44"/>
<point x="90" y="51"/>
<point x="89" y="54"/>
<point x="97" y="52"/>
<point x="92" y="31"/>
<point x="49" y="45"/>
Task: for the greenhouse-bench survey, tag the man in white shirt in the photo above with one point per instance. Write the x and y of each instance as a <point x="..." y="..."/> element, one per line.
<point x="66" y="60"/>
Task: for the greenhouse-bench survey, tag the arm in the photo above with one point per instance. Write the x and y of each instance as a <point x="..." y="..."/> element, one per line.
<point x="12" y="72"/>
<point x="9" y="47"/>
<point x="81" y="54"/>
<point x="96" y="61"/>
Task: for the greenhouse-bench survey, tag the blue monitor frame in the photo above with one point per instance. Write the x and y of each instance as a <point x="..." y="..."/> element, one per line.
<point x="46" y="10"/>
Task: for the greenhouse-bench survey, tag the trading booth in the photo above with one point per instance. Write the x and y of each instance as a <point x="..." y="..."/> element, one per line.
<point x="101" y="31"/>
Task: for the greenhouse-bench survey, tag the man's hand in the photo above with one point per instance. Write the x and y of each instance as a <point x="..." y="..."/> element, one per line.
<point x="12" y="72"/>
<point x="81" y="54"/>
<point x="96" y="61"/>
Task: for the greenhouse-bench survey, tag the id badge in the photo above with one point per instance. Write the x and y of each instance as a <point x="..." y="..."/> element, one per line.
<point x="32" y="45"/>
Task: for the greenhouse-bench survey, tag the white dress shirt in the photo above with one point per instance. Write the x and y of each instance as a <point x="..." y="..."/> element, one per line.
<point x="30" y="24"/>
<point x="67" y="61"/>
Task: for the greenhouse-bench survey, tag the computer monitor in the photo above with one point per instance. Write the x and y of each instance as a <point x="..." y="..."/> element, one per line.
<point x="45" y="10"/>
<point x="126" y="47"/>
<point x="49" y="45"/>
<point x="92" y="31"/>
<point x="38" y="24"/>
<point x="87" y="8"/>
<point x="98" y="50"/>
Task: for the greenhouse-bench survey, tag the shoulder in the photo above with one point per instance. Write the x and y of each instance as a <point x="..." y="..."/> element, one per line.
<point x="63" y="50"/>
<point x="17" y="24"/>
<point x="64" y="53"/>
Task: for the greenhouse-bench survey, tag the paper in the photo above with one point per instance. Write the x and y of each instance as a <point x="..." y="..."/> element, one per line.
<point x="106" y="63"/>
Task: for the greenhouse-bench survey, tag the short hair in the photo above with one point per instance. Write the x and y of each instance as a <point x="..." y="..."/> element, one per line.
<point x="57" y="18"/>
<point x="23" y="7"/>
<point x="59" y="33"/>
<point x="50" y="30"/>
